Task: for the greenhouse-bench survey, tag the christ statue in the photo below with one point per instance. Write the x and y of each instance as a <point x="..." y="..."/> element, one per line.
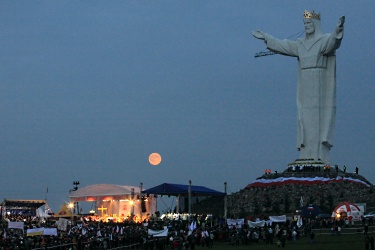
<point x="316" y="86"/>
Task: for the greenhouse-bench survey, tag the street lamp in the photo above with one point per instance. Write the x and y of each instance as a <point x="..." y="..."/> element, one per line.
<point x="75" y="188"/>
<point x="75" y="183"/>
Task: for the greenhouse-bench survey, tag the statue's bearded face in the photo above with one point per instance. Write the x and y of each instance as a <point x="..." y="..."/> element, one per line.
<point x="309" y="26"/>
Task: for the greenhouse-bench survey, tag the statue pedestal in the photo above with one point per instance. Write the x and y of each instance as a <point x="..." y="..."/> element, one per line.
<point x="310" y="166"/>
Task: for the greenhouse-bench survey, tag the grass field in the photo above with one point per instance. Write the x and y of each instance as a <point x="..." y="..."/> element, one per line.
<point x="352" y="241"/>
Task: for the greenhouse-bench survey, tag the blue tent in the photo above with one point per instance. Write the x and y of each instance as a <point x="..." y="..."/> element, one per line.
<point x="308" y="211"/>
<point x="180" y="189"/>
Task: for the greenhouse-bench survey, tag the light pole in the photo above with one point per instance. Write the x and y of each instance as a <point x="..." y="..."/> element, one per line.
<point x="75" y="188"/>
<point x="189" y="206"/>
<point x="178" y="204"/>
<point x="225" y="201"/>
<point x="132" y="204"/>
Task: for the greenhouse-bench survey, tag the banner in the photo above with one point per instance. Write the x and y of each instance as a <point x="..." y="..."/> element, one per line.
<point x="281" y="218"/>
<point x="50" y="231"/>
<point x="158" y="233"/>
<point x="35" y="231"/>
<point x="42" y="231"/>
<point x="253" y="224"/>
<point x="235" y="222"/>
<point x="16" y="224"/>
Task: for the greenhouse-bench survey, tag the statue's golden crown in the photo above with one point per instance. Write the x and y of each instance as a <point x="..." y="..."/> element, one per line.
<point x="312" y="15"/>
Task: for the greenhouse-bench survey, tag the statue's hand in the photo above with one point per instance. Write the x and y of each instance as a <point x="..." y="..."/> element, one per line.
<point x="258" y="34"/>
<point x="340" y="25"/>
<point x="341" y="21"/>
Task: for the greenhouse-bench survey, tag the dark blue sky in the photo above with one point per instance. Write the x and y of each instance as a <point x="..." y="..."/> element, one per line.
<point x="90" y="88"/>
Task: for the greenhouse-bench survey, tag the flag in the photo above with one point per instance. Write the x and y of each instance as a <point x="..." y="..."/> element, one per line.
<point x="193" y="226"/>
<point x="299" y="221"/>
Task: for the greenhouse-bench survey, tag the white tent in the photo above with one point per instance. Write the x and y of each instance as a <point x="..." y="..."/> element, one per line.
<point x="347" y="210"/>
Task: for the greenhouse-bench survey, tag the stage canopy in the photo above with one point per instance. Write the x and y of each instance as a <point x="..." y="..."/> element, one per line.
<point x="182" y="190"/>
<point x="119" y="202"/>
<point x="23" y="204"/>
<point x="24" y="207"/>
<point x="103" y="192"/>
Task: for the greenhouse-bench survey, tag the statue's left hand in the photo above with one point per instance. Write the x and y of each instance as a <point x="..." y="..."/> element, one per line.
<point x="341" y="21"/>
<point x="258" y="34"/>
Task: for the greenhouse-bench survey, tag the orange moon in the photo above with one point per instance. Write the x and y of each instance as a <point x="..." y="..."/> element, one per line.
<point x="154" y="159"/>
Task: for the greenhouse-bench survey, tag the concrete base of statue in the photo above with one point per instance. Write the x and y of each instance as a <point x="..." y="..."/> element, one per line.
<point x="310" y="165"/>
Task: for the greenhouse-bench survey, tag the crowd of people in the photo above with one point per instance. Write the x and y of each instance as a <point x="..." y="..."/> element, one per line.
<point x="286" y="198"/>
<point x="316" y="168"/>
<point x="84" y="233"/>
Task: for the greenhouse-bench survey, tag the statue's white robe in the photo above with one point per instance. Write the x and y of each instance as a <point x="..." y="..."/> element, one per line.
<point x="316" y="90"/>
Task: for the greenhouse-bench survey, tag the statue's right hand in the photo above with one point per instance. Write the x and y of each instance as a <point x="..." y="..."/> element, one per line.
<point x="258" y="34"/>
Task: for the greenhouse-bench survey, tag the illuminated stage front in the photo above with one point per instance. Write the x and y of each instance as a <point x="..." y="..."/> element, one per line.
<point x="117" y="202"/>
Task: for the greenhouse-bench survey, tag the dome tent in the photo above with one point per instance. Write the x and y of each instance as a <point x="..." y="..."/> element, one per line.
<point x="347" y="210"/>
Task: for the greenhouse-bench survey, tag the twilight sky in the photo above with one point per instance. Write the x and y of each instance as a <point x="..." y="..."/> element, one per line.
<point x="89" y="89"/>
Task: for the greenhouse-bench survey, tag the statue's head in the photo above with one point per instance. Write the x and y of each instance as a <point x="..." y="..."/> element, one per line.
<point x="312" y="23"/>
<point x="309" y="26"/>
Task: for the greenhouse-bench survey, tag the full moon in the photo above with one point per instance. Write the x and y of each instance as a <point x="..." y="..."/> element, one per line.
<point x="154" y="159"/>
